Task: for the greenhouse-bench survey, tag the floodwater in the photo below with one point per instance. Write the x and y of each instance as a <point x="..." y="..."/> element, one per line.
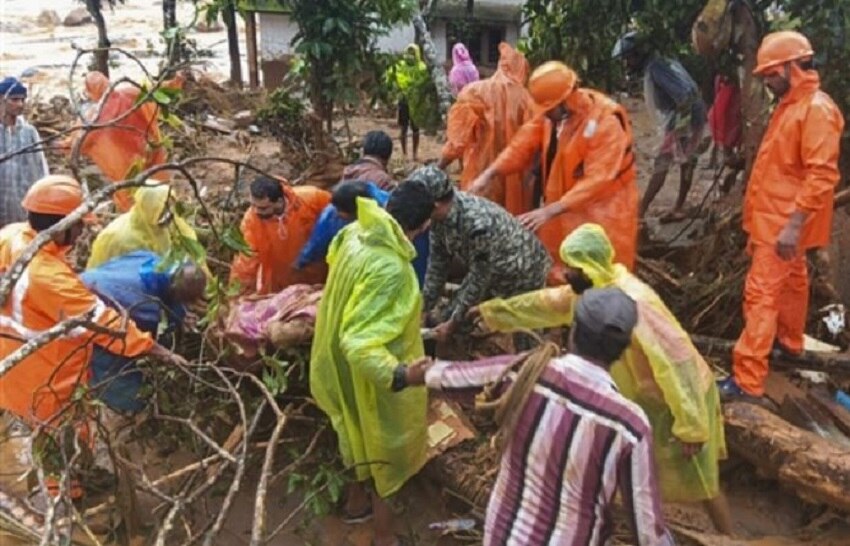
<point x="44" y="53"/>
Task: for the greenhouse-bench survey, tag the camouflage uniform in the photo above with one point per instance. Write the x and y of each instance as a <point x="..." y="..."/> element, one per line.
<point x="502" y="259"/>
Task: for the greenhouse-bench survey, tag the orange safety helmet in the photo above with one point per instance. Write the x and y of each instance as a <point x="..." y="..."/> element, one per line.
<point x="55" y="194"/>
<point x="778" y="48"/>
<point x="551" y="83"/>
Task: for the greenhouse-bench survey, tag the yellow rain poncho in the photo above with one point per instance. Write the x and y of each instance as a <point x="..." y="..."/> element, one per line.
<point x="139" y="229"/>
<point x="368" y="323"/>
<point x="661" y="370"/>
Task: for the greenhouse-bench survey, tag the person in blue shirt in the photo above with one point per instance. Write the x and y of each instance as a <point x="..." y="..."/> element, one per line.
<point x="341" y="212"/>
<point x="155" y="298"/>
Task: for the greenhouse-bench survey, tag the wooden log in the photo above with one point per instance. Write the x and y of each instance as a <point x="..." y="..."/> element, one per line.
<point x="834" y="363"/>
<point x="815" y="469"/>
<point x="251" y="46"/>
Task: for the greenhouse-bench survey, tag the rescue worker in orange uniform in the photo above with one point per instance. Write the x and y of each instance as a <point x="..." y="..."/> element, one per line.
<point x="482" y="122"/>
<point x="48" y="292"/>
<point x="787" y="210"/>
<point x="135" y="140"/>
<point x="587" y="164"/>
<point x="276" y="227"/>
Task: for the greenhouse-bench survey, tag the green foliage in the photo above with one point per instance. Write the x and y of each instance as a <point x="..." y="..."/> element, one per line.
<point x="582" y="34"/>
<point x="337" y="40"/>
<point x="827" y="24"/>
<point x="275" y="374"/>
<point x="283" y="114"/>
<point x="322" y="486"/>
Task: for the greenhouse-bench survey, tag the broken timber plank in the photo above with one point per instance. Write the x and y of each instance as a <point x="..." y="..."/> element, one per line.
<point x="837" y="363"/>
<point x="816" y="469"/>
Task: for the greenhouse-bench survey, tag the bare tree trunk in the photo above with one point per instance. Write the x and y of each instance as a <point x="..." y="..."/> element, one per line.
<point x="169" y="21"/>
<point x="755" y="108"/>
<point x="103" y="43"/>
<point x="233" y="43"/>
<point x="438" y="74"/>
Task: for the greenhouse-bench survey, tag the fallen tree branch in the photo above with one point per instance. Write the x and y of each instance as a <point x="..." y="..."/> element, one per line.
<point x="45" y="337"/>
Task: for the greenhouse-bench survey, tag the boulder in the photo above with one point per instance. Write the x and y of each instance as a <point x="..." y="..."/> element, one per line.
<point x="78" y="18"/>
<point x="48" y="18"/>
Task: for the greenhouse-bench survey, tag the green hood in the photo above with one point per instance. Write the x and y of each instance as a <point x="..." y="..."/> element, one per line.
<point x="377" y="228"/>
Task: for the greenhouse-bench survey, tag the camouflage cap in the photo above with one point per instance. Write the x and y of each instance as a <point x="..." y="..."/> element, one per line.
<point x="435" y="180"/>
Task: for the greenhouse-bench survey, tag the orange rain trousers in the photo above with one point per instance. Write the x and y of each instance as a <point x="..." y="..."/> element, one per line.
<point x="483" y="121"/>
<point x="592" y="174"/>
<point x="276" y="244"/>
<point x="796" y="169"/>
<point x="776" y="301"/>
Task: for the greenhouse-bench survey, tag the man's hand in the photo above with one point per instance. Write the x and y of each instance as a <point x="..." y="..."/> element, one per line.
<point x="689" y="450"/>
<point x="534" y="220"/>
<point x="416" y="371"/>
<point x="479" y="185"/>
<point x="789" y="237"/>
<point x="429" y="319"/>
<point x="443" y="331"/>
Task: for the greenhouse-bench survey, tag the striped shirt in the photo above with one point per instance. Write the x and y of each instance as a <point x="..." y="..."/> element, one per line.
<point x="576" y="442"/>
<point x="19" y="172"/>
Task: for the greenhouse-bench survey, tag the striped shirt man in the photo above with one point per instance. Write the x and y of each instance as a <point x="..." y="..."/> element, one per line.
<point x="577" y="441"/>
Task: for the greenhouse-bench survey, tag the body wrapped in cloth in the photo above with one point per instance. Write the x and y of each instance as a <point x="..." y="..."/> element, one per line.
<point x="285" y="319"/>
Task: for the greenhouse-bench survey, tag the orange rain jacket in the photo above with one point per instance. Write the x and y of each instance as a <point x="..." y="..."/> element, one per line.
<point x="483" y="121"/>
<point x="47" y="293"/>
<point x="135" y="138"/>
<point x="797" y="165"/>
<point x="593" y="171"/>
<point x="277" y="242"/>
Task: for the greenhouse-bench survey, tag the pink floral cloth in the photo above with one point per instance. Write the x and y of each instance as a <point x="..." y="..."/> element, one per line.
<point x="249" y="320"/>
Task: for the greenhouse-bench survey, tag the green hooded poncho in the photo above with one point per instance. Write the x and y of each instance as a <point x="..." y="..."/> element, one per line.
<point x="414" y="82"/>
<point x="367" y="324"/>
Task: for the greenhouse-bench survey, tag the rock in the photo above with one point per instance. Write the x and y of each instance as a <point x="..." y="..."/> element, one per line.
<point x="78" y="18"/>
<point x="203" y="26"/>
<point x="30" y="72"/>
<point x="243" y="119"/>
<point x="48" y="18"/>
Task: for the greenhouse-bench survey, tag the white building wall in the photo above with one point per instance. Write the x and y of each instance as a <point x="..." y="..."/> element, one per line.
<point x="397" y="39"/>
<point x="276" y="33"/>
